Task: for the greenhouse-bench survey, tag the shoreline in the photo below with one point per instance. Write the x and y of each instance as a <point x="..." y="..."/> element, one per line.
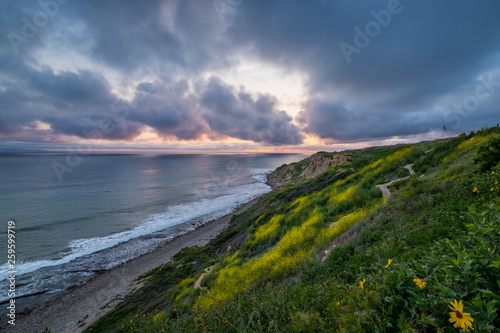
<point x="78" y="307"/>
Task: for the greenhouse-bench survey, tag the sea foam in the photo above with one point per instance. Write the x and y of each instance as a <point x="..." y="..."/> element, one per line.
<point x="203" y="210"/>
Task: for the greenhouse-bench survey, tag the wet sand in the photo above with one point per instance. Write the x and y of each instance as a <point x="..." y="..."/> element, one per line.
<point x="79" y="307"/>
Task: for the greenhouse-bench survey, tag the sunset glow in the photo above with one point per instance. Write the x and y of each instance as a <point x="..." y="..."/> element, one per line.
<point x="249" y="76"/>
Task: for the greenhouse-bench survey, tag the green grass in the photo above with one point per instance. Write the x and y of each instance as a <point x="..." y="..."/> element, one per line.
<point x="440" y="226"/>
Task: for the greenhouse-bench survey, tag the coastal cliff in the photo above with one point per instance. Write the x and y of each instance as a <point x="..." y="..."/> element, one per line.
<point x="306" y="169"/>
<point x="328" y="250"/>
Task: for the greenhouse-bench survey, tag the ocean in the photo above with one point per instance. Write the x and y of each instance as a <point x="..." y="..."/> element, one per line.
<point x="111" y="208"/>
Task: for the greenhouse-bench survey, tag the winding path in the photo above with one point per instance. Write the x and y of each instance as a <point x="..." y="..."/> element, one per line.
<point x="386" y="193"/>
<point x="384" y="187"/>
<point x="197" y="284"/>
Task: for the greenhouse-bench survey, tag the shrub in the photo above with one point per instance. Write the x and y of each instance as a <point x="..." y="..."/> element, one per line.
<point x="488" y="154"/>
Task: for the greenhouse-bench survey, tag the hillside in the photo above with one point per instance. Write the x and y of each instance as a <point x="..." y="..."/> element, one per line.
<point x="327" y="251"/>
<point x="305" y="169"/>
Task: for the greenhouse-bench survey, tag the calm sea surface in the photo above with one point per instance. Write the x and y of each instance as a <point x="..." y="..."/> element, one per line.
<point x="111" y="208"/>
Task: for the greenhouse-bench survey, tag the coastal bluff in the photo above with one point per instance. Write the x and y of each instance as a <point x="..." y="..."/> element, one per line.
<point x="308" y="168"/>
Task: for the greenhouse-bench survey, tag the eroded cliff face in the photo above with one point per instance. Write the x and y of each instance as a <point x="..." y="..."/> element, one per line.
<point x="305" y="169"/>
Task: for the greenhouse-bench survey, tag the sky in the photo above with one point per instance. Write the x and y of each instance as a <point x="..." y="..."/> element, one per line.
<point x="244" y="75"/>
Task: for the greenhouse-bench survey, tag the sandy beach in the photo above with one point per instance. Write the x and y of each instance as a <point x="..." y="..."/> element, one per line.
<point x="82" y="305"/>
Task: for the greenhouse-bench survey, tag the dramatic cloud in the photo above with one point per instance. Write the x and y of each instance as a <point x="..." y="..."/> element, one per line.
<point x="129" y="35"/>
<point x="170" y="110"/>
<point x="239" y="115"/>
<point x="331" y="120"/>
<point x="373" y="70"/>
<point x="420" y="52"/>
<point x="81" y="104"/>
<point x="74" y="104"/>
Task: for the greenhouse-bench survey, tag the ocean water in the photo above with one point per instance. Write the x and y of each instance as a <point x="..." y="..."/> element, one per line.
<point x="111" y="208"/>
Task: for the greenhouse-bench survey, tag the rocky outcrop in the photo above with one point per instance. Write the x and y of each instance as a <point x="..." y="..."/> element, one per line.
<point x="305" y="169"/>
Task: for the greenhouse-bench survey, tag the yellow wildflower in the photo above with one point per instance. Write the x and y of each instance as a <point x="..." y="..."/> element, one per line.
<point x="421" y="284"/>
<point x="131" y="320"/>
<point x="493" y="172"/>
<point x="362" y="283"/>
<point x="459" y="317"/>
<point x="388" y="263"/>
<point x="475" y="190"/>
<point x="496" y="183"/>
<point x="360" y="269"/>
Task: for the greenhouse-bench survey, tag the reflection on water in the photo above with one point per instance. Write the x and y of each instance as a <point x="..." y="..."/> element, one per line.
<point x="111" y="203"/>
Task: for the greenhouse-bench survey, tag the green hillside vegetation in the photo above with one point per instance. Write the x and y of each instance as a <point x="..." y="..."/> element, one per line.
<point x="393" y="264"/>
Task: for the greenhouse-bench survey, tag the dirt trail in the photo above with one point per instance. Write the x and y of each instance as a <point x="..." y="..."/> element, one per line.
<point x="410" y="168"/>
<point x="197" y="284"/>
<point x="384" y="187"/>
<point x="386" y="194"/>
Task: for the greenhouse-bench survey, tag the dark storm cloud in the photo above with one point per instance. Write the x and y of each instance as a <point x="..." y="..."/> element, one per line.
<point x="169" y="109"/>
<point x="94" y="126"/>
<point x="77" y="104"/>
<point x="426" y="40"/>
<point x="239" y="115"/>
<point x="402" y="78"/>
<point x="81" y="104"/>
<point x="71" y="89"/>
<point x="126" y="35"/>
<point x="425" y="50"/>
<point x="184" y="36"/>
<point x="129" y="35"/>
<point x="332" y="120"/>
